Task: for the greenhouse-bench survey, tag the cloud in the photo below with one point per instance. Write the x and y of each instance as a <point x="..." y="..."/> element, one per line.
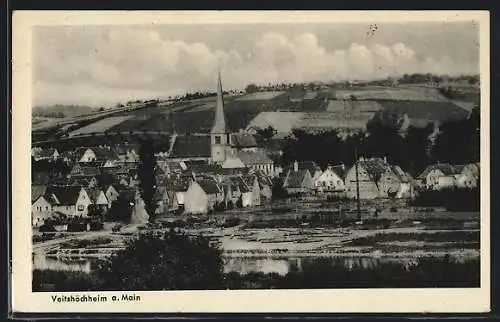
<point x="104" y="67"/>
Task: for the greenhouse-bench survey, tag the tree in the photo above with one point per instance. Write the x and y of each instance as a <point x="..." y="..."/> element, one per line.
<point x="170" y="262"/>
<point x="251" y="88"/>
<point x="263" y="135"/>
<point x="147" y="178"/>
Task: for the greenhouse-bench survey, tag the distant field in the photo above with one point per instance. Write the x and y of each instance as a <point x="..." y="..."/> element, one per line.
<point x="100" y="126"/>
<point x="396" y="94"/>
<point x="259" y="96"/>
<point x="434" y="111"/>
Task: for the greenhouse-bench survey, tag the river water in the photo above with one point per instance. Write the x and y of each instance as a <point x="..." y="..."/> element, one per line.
<point x="243" y="265"/>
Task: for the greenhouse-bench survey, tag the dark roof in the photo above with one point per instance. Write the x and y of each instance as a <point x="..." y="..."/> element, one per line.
<point x="340" y="171"/>
<point x="243" y="140"/>
<point x="253" y="157"/>
<point x="237" y="181"/>
<point x="209" y="186"/>
<point x="37" y="192"/>
<point x="191" y="146"/>
<point x="205" y="168"/>
<point x="180" y="184"/>
<point x="65" y="196"/>
<point x="311" y="166"/>
<point x="249" y="180"/>
<point x="294" y="179"/>
<point x="85" y="171"/>
<point x="40" y="178"/>
<point x="128" y="194"/>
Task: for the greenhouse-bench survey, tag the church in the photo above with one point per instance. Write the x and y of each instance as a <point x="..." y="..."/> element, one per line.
<point x="222" y="147"/>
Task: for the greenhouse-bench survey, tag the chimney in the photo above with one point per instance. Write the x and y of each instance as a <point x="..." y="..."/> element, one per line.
<point x="385" y="159"/>
<point x="343" y="166"/>
<point x="295" y="166"/>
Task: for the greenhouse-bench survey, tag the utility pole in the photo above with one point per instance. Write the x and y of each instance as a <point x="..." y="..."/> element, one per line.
<point x="358" y="206"/>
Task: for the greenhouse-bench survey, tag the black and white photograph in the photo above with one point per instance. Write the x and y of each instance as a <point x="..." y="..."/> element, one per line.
<point x="298" y="155"/>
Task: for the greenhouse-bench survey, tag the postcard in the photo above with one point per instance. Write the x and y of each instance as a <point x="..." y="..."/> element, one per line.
<point x="220" y="161"/>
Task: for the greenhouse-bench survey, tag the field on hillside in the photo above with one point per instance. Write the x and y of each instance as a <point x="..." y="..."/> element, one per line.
<point x="395" y="94"/>
<point x="196" y="116"/>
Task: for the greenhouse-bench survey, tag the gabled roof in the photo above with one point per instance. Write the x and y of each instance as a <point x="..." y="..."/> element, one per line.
<point x="65" y="196"/>
<point x="294" y="179"/>
<point x="209" y="186"/>
<point x="446" y="168"/>
<point x="191" y="146"/>
<point x="94" y="193"/>
<point x="253" y="157"/>
<point x="37" y="191"/>
<point x="102" y="153"/>
<point x="243" y="140"/>
<point x="340" y="171"/>
<point x="249" y="179"/>
<point x="204" y="168"/>
<point x="179" y="184"/>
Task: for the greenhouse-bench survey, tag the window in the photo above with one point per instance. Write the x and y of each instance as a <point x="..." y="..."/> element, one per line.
<point x="80" y="208"/>
<point x="217" y="140"/>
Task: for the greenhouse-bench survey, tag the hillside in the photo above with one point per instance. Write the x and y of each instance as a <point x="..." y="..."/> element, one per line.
<point x="334" y="108"/>
<point x="60" y="111"/>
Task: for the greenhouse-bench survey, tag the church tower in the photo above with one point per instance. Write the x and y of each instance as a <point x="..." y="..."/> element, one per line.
<point x="220" y="132"/>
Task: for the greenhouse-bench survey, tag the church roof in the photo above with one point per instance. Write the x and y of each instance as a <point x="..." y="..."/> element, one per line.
<point x="220" y="125"/>
<point x="196" y="146"/>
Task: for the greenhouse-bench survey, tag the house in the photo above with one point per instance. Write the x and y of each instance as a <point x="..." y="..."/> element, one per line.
<point x="203" y="196"/>
<point x="265" y="186"/>
<point x="467" y="175"/>
<point x="49" y="154"/>
<point x="298" y="181"/>
<point x="332" y="179"/>
<point x="127" y="152"/>
<point x="395" y="183"/>
<point x="438" y="176"/>
<point x="369" y="173"/>
<point x="256" y="160"/>
<point x="85" y="170"/>
<point x="112" y="193"/>
<point x="252" y="181"/>
<point x="311" y="166"/>
<point x="86" y="182"/>
<point x="72" y="201"/>
<point x="245" y="193"/>
<point x="92" y="154"/>
<point x="180" y="186"/>
<point x="243" y="141"/>
<point x="99" y="199"/>
<point x="41" y="205"/>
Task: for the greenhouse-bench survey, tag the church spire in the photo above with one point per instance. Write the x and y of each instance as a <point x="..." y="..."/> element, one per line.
<point x="219" y="122"/>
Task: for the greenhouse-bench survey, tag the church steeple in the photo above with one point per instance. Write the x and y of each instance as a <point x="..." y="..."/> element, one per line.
<point x="219" y="126"/>
<point x="220" y="132"/>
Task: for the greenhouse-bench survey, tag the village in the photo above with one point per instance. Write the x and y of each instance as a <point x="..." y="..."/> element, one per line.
<point x="212" y="174"/>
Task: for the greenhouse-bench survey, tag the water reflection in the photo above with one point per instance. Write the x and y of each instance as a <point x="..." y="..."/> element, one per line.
<point x="231" y="264"/>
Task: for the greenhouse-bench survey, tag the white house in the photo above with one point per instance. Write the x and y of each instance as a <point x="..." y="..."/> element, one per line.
<point x="72" y="201"/>
<point x="332" y="179"/>
<point x="202" y="196"/>
<point x="41" y="209"/>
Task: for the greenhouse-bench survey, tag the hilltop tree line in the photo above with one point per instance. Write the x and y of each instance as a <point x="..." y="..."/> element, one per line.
<point x="457" y="142"/>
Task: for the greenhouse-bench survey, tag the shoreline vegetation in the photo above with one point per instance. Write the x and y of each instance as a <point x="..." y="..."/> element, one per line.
<point x="428" y="272"/>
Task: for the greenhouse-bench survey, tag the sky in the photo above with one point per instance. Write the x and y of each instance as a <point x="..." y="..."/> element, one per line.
<point x="104" y="65"/>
